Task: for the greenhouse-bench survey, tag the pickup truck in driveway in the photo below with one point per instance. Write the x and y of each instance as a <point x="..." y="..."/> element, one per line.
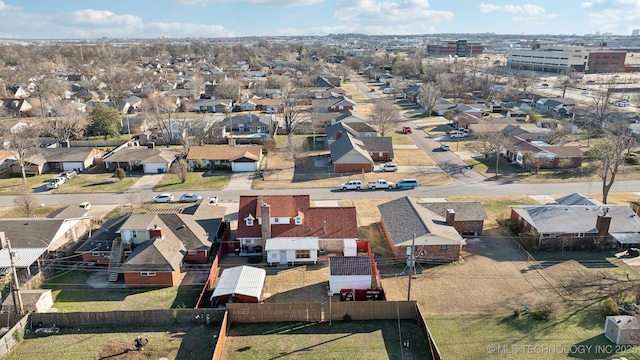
<point x="380" y="184"/>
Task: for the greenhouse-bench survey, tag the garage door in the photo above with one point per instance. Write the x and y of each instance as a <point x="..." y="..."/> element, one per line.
<point x="244" y="166"/>
<point x="70" y="166"/>
<point x="153" y="168"/>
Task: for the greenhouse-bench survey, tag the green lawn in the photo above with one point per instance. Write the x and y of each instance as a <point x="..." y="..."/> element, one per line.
<point x="195" y="181"/>
<point x="496" y="336"/>
<point x="340" y="340"/>
<point x="9" y="185"/>
<point x="72" y="294"/>
<point x="177" y="341"/>
<point x="400" y="139"/>
<point x="90" y="183"/>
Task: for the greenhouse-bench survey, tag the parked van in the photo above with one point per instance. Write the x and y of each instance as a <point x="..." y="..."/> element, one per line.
<point x="407" y="184"/>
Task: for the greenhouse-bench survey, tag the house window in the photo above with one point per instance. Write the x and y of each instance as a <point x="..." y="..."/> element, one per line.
<point x="147" y="273"/>
<point x="443" y="247"/>
<point x="248" y="221"/>
<point x="95" y="253"/>
<point x="578" y="235"/>
<point x="275" y="220"/>
<point x="303" y="254"/>
<point x="192" y="252"/>
<point x="298" y="220"/>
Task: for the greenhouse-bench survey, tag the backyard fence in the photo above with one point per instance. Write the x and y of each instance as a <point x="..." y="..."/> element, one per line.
<point x="319" y="312"/>
<point x="433" y="348"/>
<point x="161" y="316"/>
<point x="14" y="335"/>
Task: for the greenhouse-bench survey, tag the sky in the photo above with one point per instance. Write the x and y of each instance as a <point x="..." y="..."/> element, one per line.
<point x="90" y="19"/>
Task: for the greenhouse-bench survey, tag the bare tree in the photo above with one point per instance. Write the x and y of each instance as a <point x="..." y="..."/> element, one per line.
<point x="24" y="141"/>
<point x="228" y="89"/>
<point x="68" y="122"/>
<point x="25" y="201"/>
<point x="384" y="117"/>
<point x="181" y="168"/>
<point x="206" y="131"/>
<point x="486" y="143"/>
<point x="158" y="112"/>
<point x="564" y="82"/>
<point x="295" y="150"/>
<point x="608" y="156"/>
<point x="292" y="111"/>
<point x="430" y="93"/>
<point x="601" y="106"/>
<point x="531" y="162"/>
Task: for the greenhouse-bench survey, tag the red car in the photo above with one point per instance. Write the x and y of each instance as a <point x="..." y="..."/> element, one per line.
<point x="406" y="129"/>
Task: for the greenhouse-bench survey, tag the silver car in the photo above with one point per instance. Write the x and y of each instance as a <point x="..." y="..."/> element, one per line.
<point x="186" y="198"/>
<point x="162" y="198"/>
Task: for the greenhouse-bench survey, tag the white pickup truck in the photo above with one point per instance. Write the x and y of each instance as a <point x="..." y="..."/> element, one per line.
<point x="380" y="184"/>
<point x="352" y="185"/>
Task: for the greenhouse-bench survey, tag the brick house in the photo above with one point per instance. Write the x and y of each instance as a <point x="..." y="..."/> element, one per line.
<point x="435" y="240"/>
<point x="466" y="217"/>
<point x="348" y="155"/>
<point x="42" y="160"/>
<point x="556" y="227"/>
<point x="291" y="216"/>
<point x="546" y="156"/>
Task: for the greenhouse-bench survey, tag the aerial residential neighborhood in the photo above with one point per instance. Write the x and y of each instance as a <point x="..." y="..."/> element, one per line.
<point x="439" y="196"/>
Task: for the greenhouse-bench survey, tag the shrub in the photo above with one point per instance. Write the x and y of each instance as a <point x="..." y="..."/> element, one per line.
<point x="610" y="307"/>
<point x="120" y="173"/>
<point x="346" y="317"/>
<point x="546" y="311"/>
<point x="631" y="160"/>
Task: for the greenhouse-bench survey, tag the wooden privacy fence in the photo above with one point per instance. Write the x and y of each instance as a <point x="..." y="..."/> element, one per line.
<point x="163" y="316"/>
<point x="13" y="336"/>
<point x="318" y="312"/>
<point x="433" y="348"/>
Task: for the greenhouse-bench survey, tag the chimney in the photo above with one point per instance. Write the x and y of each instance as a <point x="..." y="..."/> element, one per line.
<point x="3" y="240"/>
<point x="603" y="223"/>
<point x="528" y="140"/>
<point x="151" y="145"/>
<point x="155" y="232"/>
<point x="265" y="218"/>
<point x="450" y="216"/>
<point x="338" y="134"/>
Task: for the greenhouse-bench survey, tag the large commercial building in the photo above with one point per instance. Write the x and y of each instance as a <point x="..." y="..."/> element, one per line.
<point x="549" y="59"/>
<point x="602" y="60"/>
<point x="459" y="48"/>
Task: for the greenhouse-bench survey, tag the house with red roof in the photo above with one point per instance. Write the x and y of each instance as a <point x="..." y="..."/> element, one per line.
<point x="289" y="227"/>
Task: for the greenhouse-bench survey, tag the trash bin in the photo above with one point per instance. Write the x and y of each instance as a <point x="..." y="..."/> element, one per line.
<point x="237" y="251"/>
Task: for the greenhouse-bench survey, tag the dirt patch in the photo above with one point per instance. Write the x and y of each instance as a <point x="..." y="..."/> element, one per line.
<point x="303" y="283"/>
<point x="494" y="278"/>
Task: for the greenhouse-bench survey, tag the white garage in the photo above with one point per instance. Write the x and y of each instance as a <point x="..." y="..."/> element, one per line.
<point x="155" y="168"/>
<point x="70" y="166"/>
<point x="238" y="166"/>
<point x="349" y="272"/>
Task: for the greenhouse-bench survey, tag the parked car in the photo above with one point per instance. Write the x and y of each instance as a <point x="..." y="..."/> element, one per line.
<point x="186" y="198"/>
<point x="407" y="184"/>
<point x="387" y="91"/>
<point x="545" y="84"/>
<point x="445" y="147"/>
<point x="213" y="200"/>
<point x="162" y="198"/>
<point x="352" y="185"/>
<point x="55" y="183"/>
<point x="69" y="174"/>
<point x="584" y="92"/>
<point x="389" y="167"/>
<point x="407" y="129"/>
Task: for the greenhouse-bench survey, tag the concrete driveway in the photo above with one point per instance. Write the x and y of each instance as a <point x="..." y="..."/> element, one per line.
<point x="240" y="181"/>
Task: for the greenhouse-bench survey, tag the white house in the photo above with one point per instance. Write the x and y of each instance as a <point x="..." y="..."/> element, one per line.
<point x="292" y="250"/>
<point x="349" y="272"/>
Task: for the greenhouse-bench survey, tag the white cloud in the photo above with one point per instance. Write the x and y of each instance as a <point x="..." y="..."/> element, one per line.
<point x="92" y="17"/>
<point x="255" y="2"/>
<point x="586" y="5"/>
<point x="5" y="7"/>
<point x="413" y="15"/>
<point x="187" y="30"/>
<point x="529" y="9"/>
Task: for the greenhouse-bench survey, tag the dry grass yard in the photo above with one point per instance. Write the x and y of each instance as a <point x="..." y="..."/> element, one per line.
<point x="302" y="283"/>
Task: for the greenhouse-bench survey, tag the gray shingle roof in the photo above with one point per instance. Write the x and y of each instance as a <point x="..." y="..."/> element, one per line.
<point x="103" y="238"/>
<point x="30" y="233"/>
<point x="404" y="218"/>
<point x="561" y="219"/>
<point x="345" y="144"/>
<point x="349" y="265"/>
<point x="577" y="199"/>
<point x="75" y="154"/>
<point x="185" y="227"/>
<point x="465" y="211"/>
<point x="377" y="144"/>
<point x="159" y="254"/>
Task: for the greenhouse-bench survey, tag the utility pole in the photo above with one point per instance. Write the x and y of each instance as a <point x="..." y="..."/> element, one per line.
<point x="412" y="264"/>
<point x="17" y="298"/>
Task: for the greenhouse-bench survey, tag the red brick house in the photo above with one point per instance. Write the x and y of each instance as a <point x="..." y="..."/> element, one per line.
<point x="556" y="227"/>
<point x="292" y="216"/>
<point x="525" y="153"/>
<point x="348" y="155"/>
<point x="435" y="240"/>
